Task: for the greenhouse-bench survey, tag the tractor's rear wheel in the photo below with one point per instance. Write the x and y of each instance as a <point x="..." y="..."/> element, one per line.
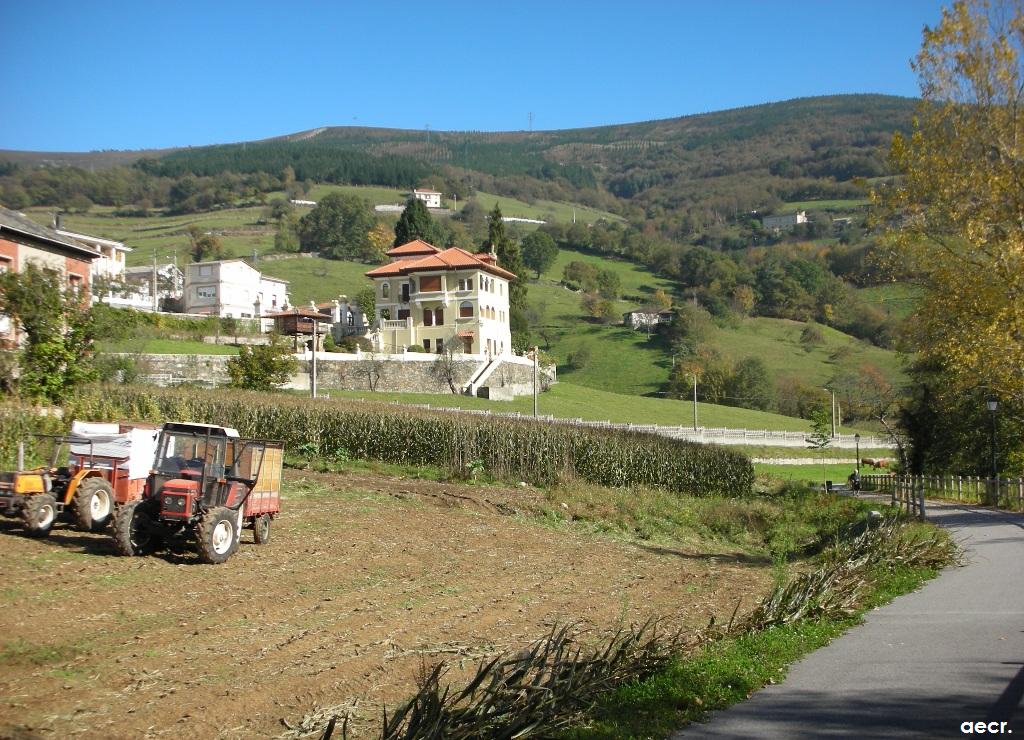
<point x="135" y="530"/>
<point x="38" y="514"/>
<point x="217" y="535"/>
<point x="94" y="504"/>
<point x="261" y="529"/>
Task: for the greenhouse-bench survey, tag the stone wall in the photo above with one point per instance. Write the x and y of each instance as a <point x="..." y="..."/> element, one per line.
<point x="406" y="373"/>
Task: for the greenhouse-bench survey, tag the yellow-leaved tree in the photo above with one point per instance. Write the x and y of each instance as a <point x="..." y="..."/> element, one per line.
<point x="956" y="210"/>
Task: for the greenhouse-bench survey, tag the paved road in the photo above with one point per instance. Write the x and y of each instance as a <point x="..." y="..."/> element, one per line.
<point x="919" y="667"/>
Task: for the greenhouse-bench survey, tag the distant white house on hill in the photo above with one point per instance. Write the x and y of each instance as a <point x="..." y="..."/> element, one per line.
<point x="232" y="288"/>
<point x="431" y="198"/>
<point x="784" y="221"/>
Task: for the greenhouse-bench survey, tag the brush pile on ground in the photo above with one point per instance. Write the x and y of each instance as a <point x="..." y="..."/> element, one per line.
<point x="554" y="681"/>
<point x="508" y="449"/>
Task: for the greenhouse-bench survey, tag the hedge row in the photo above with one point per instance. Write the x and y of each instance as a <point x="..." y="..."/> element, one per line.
<point x="510" y="449"/>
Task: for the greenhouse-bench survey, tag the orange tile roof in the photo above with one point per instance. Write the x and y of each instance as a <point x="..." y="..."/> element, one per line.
<point x="416" y="246"/>
<point x="450" y="259"/>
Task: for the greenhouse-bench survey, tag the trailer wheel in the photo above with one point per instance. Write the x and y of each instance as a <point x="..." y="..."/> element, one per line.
<point x="94" y="504"/>
<point x="261" y="529"/>
<point x="135" y="530"/>
<point x="217" y="535"/>
<point x="38" y="514"/>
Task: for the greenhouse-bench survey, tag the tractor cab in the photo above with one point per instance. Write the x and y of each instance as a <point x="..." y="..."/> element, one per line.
<point x="208" y="482"/>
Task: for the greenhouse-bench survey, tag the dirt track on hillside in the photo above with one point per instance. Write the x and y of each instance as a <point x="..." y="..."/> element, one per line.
<point x="366" y="578"/>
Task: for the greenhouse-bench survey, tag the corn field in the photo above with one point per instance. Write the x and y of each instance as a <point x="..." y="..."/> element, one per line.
<point x="508" y="449"/>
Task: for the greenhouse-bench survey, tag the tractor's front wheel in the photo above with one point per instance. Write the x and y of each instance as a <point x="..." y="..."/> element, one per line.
<point x="38" y="514"/>
<point x="94" y="504"/>
<point x="217" y="535"/>
<point x="135" y="530"/>
<point x="261" y="529"/>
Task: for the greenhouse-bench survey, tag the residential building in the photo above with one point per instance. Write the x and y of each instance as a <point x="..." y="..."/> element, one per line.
<point x="646" y="318"/>
<point x="431" y="198"/>
<point x="111" y="262"/>
<point x="347" y="319"/>
<point x="784" y="221"/>
<point x="437" y="298"/>
<point x="232" y="288"/>
<point x="137" y="288"/>
<point x="23" y="241"/>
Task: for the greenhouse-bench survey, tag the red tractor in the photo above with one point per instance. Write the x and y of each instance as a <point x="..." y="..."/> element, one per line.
<point x="206" y="484"/>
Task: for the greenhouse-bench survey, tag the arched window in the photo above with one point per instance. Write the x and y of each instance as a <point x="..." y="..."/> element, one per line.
<point x="465" y="310"/>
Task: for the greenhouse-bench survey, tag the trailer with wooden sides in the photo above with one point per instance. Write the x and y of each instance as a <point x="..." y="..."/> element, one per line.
<point x="206" y="485"/>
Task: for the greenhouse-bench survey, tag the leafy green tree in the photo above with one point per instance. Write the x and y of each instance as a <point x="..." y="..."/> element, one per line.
<point x="750" y="386"/>
<point x="414" y="223"/>
<point x="366" y="299"/>
<point x="539" y="252"/>
<point x="608" y="284"/>
<point x="205" y="247"/>
<point x="58" y="330"/>
<point x="338" y="227"/>
<point x="821" y="435"/>
<point x="286" y="238"/>
<point x="262" y="367"/>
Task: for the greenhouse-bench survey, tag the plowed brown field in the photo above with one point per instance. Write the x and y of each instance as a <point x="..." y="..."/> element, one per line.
<point x="366" y="578"/>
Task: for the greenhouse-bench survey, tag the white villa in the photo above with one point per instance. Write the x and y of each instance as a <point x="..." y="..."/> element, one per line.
<point x="232" y="288"/>
<point x="437" y="298"/>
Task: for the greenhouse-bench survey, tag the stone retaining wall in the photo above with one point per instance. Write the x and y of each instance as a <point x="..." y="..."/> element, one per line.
<point x="407" y="373"/>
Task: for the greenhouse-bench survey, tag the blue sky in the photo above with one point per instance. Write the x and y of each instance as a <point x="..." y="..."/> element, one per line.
<point x="90" y="75"/>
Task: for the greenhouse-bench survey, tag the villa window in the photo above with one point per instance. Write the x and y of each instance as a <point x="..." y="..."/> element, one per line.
<point x="403" y="314"/>
<point x="465" y="310"/>
<point x="469" y="284"/>
<point x="426" y="344"/>
<point x="438" y="317"/>
<point x="385" y="290"/>
<point x="428" y="317"/>
<point x="440" y="346"/>
<point x="430" y="284"/>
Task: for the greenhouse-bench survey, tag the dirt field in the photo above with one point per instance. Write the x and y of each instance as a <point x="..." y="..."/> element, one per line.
<point x="365" y="578"/>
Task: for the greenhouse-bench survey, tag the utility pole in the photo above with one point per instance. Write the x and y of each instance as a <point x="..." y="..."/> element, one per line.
<point x="156" y="299"/>
<point x="833" y="394"/>
<point x="316" y="330"/>
<point x="695" y="402"/>
<point x="536" y="364"/>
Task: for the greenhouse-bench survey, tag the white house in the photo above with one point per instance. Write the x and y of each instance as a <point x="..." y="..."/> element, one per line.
<point x="646" y="318"/>
<point x="431" y="198"/>
<point x="232" y="288"/>
<point x="111" y="261"/>
<point x="439" y="298"/>
<point x="784" y="221"/>
<point x="137" y="291"/>
<point x="347" y="319"/>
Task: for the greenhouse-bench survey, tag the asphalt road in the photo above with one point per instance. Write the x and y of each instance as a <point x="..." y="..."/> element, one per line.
<point x="950" y="653"/>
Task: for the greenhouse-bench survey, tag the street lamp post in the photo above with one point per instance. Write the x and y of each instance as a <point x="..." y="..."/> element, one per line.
<point x="992" y="403"/>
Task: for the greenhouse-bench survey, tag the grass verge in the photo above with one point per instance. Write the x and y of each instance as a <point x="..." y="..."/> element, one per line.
<point x="727" y="671"/>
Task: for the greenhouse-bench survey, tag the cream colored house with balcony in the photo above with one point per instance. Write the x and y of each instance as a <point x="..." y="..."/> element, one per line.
<point x="434" y="298"/>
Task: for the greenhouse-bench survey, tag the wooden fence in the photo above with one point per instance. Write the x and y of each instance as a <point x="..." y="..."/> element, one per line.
<point x="1004" y="493"/>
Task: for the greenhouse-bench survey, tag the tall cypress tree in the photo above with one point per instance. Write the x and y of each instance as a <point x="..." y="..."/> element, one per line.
<point x="414" y="223"/>
<point x="510" y="258"/>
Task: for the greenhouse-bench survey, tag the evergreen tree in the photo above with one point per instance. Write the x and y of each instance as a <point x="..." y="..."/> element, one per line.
<point x="414" y="223"/>
<point x="338" y="227"/>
